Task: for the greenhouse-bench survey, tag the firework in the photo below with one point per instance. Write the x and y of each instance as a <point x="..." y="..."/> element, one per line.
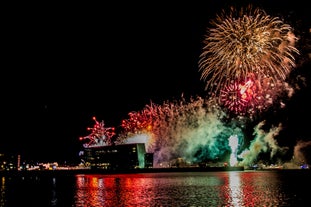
<point x="195" y="130"/>
<point x="250" y="96"/>
<point x="236" y="96"/>
<point x="190" y="129"/>
<point x="99" y="136"/>
<point x="246" y="59"/>
<point x="246" y="42"/>
<point x="137" y="123"/>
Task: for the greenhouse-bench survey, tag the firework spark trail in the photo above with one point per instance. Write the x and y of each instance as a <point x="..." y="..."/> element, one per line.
<point x="193" y="130"/>
<point x="243" y="43"/>
<point x="251" y="97"/>
<point x="100" y="135"/>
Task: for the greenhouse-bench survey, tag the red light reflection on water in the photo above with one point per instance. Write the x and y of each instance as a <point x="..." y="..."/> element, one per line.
<point x="251" y="189"/>
<point x="234" y="190"/>
<point x="181" y="189"/>
<point x="113" y="190"/>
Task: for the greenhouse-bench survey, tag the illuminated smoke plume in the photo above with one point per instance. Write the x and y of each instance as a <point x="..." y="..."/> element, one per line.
<point x="263" y="142"/>
<point x="234" y="144"/>
<point x="196" y="131"/>
<point x="299" y="160"/>
<point x="192" y="130"/>
<point x="299" y="156"/>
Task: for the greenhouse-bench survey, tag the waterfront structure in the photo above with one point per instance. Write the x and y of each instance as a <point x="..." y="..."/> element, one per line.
<point x="9" y="162"/>
<point x="100" y="152"/>
<point x="117" y="157"/>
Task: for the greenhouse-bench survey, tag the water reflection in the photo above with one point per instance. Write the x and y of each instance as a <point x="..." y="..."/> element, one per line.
<point x="185" y="189"/>
<point x="121" y="190"/>
<point x="235" y="197"/>
<point x="2" y="192"/>
<point x="254" y="189"/>
<point x="148" y="190"/>
<point x="54" y="197"/>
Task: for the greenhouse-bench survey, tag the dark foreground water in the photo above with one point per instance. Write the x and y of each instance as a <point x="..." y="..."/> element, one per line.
<point x="235" y="188"/>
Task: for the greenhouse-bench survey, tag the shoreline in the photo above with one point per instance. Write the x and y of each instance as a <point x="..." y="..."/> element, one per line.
<point x="65" y="172"/>
<point x="118" y="171"/>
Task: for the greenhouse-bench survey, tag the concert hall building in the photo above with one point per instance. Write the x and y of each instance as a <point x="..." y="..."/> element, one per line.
<point x="118" y="157"/>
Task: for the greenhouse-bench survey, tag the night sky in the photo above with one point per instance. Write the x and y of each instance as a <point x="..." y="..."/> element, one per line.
<point x="65" y="63"/>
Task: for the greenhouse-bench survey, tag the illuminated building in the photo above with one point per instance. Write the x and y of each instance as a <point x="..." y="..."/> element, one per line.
<point x="9" y="162"/>
<point x="118" y="157"/>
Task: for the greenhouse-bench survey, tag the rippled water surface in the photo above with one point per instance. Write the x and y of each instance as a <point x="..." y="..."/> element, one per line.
<point x="236" y="188"/>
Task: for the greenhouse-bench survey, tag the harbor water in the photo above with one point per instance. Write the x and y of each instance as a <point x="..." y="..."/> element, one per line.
<point x="223" y="188"/>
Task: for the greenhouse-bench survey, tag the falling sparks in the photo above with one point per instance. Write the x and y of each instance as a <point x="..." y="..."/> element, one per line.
<point x="99" y="136"/>
<point x="243" y="43"/>
<point x="245" y="61"/>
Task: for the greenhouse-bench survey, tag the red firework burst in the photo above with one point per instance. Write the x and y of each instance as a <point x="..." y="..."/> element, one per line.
<point x="237" y="96"/>
<point x="138" y="122"/>
<point x="100" y="135"/>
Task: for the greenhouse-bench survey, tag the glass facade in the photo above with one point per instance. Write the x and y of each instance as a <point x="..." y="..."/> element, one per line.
<point x="118" y="157"/>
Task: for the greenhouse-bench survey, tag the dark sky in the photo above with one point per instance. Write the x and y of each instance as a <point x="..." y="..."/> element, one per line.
<point x="65" y="63"/>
